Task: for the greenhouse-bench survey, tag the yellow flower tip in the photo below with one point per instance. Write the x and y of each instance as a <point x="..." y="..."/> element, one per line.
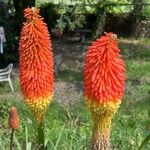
<point x="13" y="120"/>
<point x="38" y="106"/>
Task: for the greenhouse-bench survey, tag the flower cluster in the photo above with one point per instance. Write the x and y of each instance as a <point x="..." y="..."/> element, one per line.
<point x="36" y="64"/>
<point x="104" y="72"/>
<point x="13" y="120"/>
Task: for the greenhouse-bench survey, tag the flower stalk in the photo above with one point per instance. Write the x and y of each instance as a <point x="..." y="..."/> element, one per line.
<point x="11" y="139"/>
<point x="41" y="136"/>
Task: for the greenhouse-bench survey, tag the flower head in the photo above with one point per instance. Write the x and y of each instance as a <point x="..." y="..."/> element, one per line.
<point x="104" y="80"/>
<point x="104" y="71"/>
<point x="13" y="118"/>
<point x="36" y="63"/>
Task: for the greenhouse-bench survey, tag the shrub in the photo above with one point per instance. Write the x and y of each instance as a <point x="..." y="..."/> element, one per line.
<point x="49" y="12"/>
<point x="70" y="19"/>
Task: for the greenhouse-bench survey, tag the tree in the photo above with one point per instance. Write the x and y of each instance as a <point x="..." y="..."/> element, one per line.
<point x="19" y="6"/>
<point x="137" y="14"/>
<point x="100" y="21"/>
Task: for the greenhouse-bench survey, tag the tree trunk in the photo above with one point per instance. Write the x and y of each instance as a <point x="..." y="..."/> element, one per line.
<point x="19" y="6"/>
<point x="100" y="21"/>
<point x="137" y="14"/>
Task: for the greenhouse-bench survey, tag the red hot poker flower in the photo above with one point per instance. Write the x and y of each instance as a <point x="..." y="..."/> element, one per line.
<point x="104" y="71"/>
<point x="36" y="63"/>
<point x="104" y="81"/>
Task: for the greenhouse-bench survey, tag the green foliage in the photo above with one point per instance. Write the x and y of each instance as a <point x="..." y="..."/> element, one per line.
<point x="71" y="18"/>
<point x="146" y="12"/>
<point x="69" y="75"/>
<point x="4" y="109"/>
<point x="50" y="13"/>
<point x="70" y="128"/>
<point x="145" y="141"/>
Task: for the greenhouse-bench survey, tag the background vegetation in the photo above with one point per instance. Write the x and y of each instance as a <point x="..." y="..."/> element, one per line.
<point x="126" y="18"/>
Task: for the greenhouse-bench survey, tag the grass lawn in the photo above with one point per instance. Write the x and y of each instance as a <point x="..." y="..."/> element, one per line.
<point x="68" y="127"/>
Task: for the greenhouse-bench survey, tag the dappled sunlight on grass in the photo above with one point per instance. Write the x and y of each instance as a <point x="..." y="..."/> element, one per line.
<point x="137" y="69"/>
<point x="69" y="75"/>
<point x="135" y="50"/>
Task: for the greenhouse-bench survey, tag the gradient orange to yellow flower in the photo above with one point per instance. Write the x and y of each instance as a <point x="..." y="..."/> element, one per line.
<point x="104" y="83"/>
<point x="36" y="63"/>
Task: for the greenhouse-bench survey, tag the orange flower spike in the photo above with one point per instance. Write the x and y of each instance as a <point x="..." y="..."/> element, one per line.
<point x="104" y="82"/>
<point x="36" y="64"/>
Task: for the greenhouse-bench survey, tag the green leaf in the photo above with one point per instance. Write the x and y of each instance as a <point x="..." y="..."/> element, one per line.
<point x="17" y="143"/>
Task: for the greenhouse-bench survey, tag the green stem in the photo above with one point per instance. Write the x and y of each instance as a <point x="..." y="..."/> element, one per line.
<point x="144" y="142"/>
<point x="11" y="139"/>
<point x="41" y="136"/>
